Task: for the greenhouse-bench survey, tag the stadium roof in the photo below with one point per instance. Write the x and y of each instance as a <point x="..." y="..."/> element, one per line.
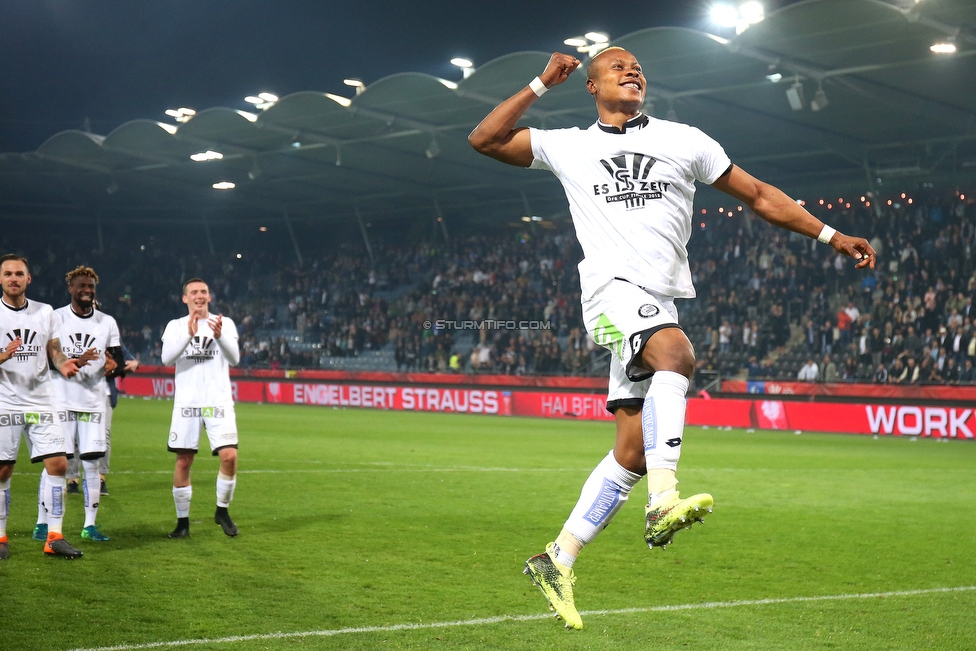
<point x="890" y="110"/>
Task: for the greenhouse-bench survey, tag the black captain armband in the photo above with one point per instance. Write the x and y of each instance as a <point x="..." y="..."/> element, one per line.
<point x="115" y="352"/>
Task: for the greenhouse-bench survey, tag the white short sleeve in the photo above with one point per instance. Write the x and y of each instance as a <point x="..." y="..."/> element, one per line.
<point x="710" y="161"/>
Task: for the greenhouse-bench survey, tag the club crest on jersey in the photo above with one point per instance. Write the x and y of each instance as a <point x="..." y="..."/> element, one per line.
<point x="201" y="349"/>
<point x="78" y="343"/>
<point x="28" y="349"/>
<point x="630" y="185"/>
<point x="647" y="310"/>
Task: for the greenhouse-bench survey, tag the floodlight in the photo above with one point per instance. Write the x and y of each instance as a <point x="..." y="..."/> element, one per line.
<point x="752" y="12"/>
<point x="466" y="66"/>
<point x="181" y="114"/>
<point x="224" y="185"/>
<point x="202" y="156"/>
<point x="819" y="101"/>
<point x="261" y="100"/>
<point x="591" y="43"/>
<point x="355" y="83"/>
<point x="794" y="95"/>
<point x="724" y="15"/>
<point x="943" y="48"/>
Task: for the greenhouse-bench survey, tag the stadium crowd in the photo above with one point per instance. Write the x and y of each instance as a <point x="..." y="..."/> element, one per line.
<point x="770" y="304"/>
<point x="778" y="305"/>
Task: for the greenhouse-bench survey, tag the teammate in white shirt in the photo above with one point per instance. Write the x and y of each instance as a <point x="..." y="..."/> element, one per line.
<point x="203" y="347"/>
<point x="82" y="398"/>
<point x="27" y="401"/>
<point x="630" y="181"/>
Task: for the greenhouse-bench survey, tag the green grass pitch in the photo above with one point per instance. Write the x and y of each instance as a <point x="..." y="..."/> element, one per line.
<point x="390" y="530"/>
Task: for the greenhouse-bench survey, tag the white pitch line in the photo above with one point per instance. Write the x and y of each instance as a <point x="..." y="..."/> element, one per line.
<point x="524" y="618"/>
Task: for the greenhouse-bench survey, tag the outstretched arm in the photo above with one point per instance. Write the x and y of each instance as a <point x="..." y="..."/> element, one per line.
<point x="497" y="136"/>
<point x="775" y="207"/>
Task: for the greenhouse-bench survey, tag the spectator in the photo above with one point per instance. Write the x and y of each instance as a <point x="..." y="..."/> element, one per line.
<point x="811" y="337"/>
<point x="911" y="370"/>
<point x="950" y="373"/>
<point x="844" y="325"/>
<point x="826" y="338"/>
<point x="725" y="337"/>
<point x="898" y="373"/>
<point x="830" y="372"/>
<point x="968" y="373"/>
<point x="881" y="374"/>
<point x="809" y="372"/>
<point x="753" y="368"/>
<point x="852" y="312"/>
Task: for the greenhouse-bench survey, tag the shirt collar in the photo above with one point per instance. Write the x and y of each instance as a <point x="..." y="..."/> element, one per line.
<point x="635" y="123"/>
<point x="87" y="315"/>
<point x="15" y="309"/>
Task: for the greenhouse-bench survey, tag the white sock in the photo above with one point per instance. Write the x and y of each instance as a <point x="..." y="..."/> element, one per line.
<point x="92" y="489"/>
<point x="604" y="492"/>
<point x="41" y="511"/>
<point x="225" y="489"/>
<point x="181" y="496"/>
<point x="663" y="419"/>
<point x="54" y="489"/>
<point x="4" y="506"/>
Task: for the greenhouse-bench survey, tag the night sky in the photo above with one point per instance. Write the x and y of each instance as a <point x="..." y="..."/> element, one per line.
<point x="111" y="61"/>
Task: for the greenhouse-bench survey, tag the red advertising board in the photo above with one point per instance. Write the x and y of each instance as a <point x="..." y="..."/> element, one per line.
<point x="843" y="418"/>
<point x="882" y="419"/>
<point x="376" y="396"/>
<point x="551" y="404"/>
<point x="868" y="391"/>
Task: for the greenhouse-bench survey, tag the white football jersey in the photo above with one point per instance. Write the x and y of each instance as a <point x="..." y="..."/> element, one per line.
<point x="202" y="368"/>
<point x="25" y="381"/>
<point x="631" y="194"/>
<point x="86" y="390"/>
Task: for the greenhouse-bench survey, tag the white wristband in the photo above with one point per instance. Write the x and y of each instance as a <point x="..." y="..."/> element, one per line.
<point x="826" y="234"/>
<point x="538" y="87"/>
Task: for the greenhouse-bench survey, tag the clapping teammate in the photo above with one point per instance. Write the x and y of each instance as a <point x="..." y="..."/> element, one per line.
<point x="203" y="347"/>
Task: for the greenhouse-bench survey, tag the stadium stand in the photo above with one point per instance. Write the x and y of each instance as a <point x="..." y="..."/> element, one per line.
<point x="768" y="300"/>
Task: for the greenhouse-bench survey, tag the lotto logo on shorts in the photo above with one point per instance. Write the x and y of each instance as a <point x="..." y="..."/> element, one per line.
<point x="29" y="418"/>
<point x="204" y="412"/>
